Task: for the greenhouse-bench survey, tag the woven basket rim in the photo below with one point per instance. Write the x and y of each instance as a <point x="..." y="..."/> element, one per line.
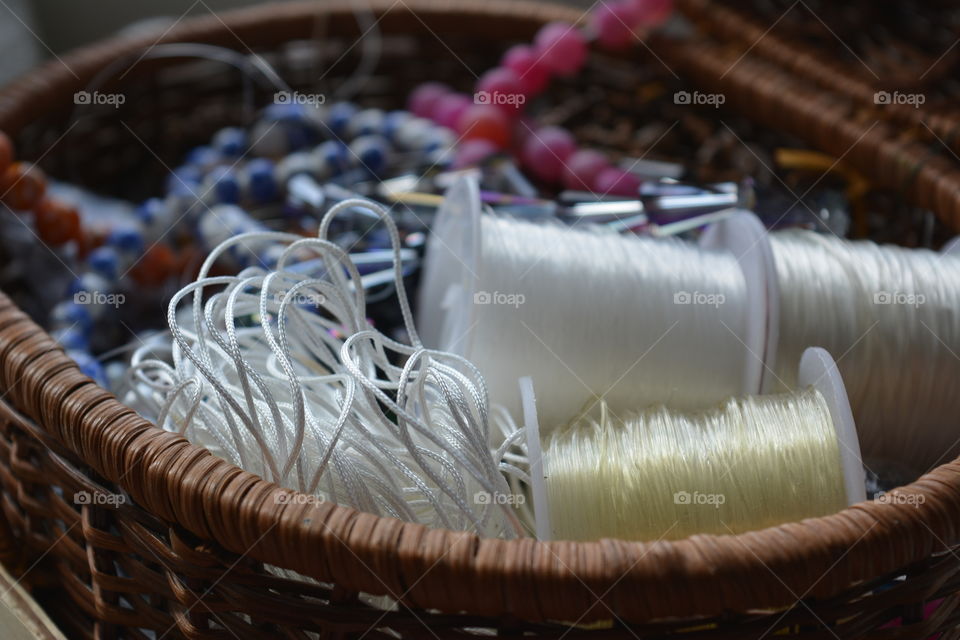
<point x="432" y="568"/>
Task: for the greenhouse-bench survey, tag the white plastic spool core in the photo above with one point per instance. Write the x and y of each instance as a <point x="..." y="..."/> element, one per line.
<point x="743" y="235"/>
<point x="449" y="268"/>
<point x="538" y="488"/>
<point x="817" y="369"/>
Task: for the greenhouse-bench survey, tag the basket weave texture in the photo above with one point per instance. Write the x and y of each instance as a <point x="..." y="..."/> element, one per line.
<point x="186" y="555"/>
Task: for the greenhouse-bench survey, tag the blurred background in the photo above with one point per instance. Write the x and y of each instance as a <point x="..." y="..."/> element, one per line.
<point x="31" y="30"/>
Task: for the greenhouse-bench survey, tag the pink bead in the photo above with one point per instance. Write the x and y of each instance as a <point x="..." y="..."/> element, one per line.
<point x="582" y="168"/>
<point x="545" y="153"/>
<point x="485" y="122"/>
<point x="614" y="23"/>
<point x="526" y="63"/>
<point x="424" y="98"/>
<point x="473" y="152"/>
<point x="448" y="109"/>
<point x="562" y="48"/>
<point x="523" y="128"/>
<point x="616" y="182"/>
<point x="500" y="87"/>
<point x="652" y="13"/>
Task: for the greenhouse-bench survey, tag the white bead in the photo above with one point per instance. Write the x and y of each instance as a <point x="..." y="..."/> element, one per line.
<point x="299" y="162"/>
<point x="223" y="221"/>
<point x="366" y="122"/>
<point x="414" y="133"/>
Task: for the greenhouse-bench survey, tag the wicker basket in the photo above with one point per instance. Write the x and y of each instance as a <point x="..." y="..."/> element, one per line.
<point x="186" y="556"/>
<point x="936" y="120"/>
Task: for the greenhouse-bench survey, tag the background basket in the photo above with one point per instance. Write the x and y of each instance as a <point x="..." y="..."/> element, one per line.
<point x="866" y="52"/>
<point x="194" y="549"/>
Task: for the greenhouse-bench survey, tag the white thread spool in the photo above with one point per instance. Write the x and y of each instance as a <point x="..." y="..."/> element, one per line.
<point x="601" y="333"/>
<point x="817" y="369"/>
<point x="891" y="317"/>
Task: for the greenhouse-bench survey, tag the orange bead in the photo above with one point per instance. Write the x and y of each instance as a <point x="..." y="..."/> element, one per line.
<point x="189" y="261"/>
<point x="84" y="246"/>
<point x="485" y="122"/>
<point x="22" y="186"/>
<point x="57" y="222"/>
<point x="6" y="152"/>
<point x="155" y="266"/>
<point x="88" y="240"/>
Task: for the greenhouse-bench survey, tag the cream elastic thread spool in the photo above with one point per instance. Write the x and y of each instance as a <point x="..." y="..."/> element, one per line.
<point x="584" y="334"/>
<point x="817" y="370"/>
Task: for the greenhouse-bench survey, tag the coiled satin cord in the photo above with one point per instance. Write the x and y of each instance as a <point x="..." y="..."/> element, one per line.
<point x="280" y="372"/>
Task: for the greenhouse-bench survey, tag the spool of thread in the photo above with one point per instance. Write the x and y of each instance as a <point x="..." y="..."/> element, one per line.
<point x="891" y="318"/>
<point x="652" y="474"/>
<point x="589" y="316"/>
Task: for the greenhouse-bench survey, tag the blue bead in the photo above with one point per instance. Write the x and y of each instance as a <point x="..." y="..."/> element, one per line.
<point x="339" y="116"/>
<point x="366" y="123"/>
<point x="128" y="241"/>
<point x="70" y="314"/>
<point x="89" y="366"/>
<point x="393" y="121"/>
<point x="105" y="261"/>
<point x="371" y="153"/>
<point x="87" y="285"/>
<point x="183" y="181"/>
<point x="226" y="185"/>
<point x="203" y="157"/>
<point x="72" y="338"/>
<point x="300" y="130"/>
<point x="263" y="183"/>
<point x="333" y="156"/>
<point x="76" y="286"/>
<point x="150" y="211"/>
<point x="300" y="137"/>
<point x="230" y="141"/>
<point x="435" y="140"/>
<point x="289" y="112"/>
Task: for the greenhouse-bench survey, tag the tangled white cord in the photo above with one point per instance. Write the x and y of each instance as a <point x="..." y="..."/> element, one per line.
<point x="280" y="372"/>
